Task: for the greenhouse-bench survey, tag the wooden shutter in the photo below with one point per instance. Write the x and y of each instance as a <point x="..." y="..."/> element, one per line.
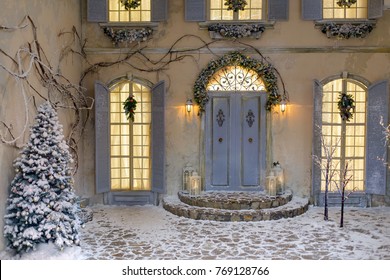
<point x="97" y="10"/>
<point x="377" y="108"/>
<point x="278" y="9"/>
<point x="375" y="8"/>
<point x="102" y="142"/>
<point x="317" y="148"/>
<point x="159" y="10"/>
<point x="195" y="10"/>
<point x="158" y="137"/>
<point x="312" y="9"/>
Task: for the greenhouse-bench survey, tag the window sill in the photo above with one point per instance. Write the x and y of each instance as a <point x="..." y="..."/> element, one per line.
<point x="345" y="29"/>
<point x="236" y="29"/>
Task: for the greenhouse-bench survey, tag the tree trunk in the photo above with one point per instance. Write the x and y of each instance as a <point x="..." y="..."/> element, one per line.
<point x="342" y="206"/>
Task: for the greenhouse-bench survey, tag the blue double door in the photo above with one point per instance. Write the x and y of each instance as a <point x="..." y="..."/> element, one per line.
<point x="232" y="136"/>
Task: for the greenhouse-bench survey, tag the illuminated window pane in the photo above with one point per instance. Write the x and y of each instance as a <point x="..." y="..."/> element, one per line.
<point x="118" y="13"/>
<point x="356" y="11"/>
<point x="353" y="148"/>
<point x="252" y="11"/>
<point x="130" y="142"/>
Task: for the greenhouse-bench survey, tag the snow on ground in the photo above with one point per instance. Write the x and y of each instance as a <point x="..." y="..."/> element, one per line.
<point x="149" y="232"/>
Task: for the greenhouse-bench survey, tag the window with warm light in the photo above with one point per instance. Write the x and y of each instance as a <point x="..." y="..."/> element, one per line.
<point x="130" y="141"/>
<point x="331" y="10"/>
<point x="354" y="148"/>
<point x="253" y="11"/>
<point x="118" y="13"/>
<point x="236" y="78"/>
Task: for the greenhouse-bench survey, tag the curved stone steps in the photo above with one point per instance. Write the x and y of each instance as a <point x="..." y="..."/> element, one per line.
<point x="235" y="200"/>
<point x="295" y="207"/>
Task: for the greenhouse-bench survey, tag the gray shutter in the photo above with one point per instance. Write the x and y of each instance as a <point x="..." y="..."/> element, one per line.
<point x="278" y="9"/>
<point x="97" y="11"/>
<point x="377" y="108"/>
<point x="375" y="8"/>
<point x="159" y="10"/>
<point x="102" y="142"/>
<point x="317" y="130"/>
<point x="312" y="9"/>
<point x="195" y="10"/>
<point x="158" y="137"/>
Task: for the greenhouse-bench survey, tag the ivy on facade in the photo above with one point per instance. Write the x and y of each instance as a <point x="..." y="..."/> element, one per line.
<point x="347" y="30"/>
<point x="128" y="35"/>
<point x="265" y="70"/>
<point x="237" y="30"/>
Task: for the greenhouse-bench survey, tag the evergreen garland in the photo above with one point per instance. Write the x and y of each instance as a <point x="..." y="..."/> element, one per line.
<point x="41" y="206"/>
<point x="346" y="104"/>
<point x="130" y="105"/>
<point x="131" y="4"/>
<point x="235" y="5"/>
<point x="264" y="70"/>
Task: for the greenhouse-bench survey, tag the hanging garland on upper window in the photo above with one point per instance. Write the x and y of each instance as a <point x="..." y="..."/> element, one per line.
<point x="235" y="5"/>
<point x="131" y="4"/>
<point x="345" y="105"/>
<point x="130" y="105"/>
<point x="346" y="3"/>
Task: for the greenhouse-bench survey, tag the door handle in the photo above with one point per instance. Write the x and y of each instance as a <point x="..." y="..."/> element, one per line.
<point x="250" y="140"/>
<point x="220" y="140"/>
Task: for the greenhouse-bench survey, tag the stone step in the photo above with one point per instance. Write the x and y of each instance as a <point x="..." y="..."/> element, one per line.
<point x="235" y="200"/>
<point x="295" y="207"/>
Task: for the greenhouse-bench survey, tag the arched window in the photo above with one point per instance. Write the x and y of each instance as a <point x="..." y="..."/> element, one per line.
<point x="130" y="141"/>
<point x="353" y="149"/>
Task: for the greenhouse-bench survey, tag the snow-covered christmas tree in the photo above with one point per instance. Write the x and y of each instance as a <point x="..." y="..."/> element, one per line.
<point x="42" y="206"/>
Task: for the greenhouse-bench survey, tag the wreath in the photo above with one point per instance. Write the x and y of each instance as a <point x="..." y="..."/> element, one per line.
<point x="235" y="5"/>
<point x="345" y="105"/>
<point x="130" y="105"/>
<point x="131" y="4"/>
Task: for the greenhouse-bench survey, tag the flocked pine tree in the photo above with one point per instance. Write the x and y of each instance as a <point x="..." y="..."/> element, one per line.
<point x="41" y="207"/>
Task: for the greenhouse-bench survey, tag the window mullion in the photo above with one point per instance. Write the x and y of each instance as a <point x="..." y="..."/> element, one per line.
<point x="131" y="142"/>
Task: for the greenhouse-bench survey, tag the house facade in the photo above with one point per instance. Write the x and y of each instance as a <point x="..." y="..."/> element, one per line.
<point x="236" y="67"/>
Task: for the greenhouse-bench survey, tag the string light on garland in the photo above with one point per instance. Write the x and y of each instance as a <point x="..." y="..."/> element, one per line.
<point x="131" y="4"/>
<point x="235" y="5"/>
<point x="346" y="3"/>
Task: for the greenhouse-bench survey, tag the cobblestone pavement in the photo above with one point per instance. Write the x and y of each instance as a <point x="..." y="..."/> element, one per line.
<point x="149" y="232"/>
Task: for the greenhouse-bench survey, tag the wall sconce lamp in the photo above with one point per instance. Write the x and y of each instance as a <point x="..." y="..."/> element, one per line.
<point x="283" y="105"/>
<point x="189" y="105"/>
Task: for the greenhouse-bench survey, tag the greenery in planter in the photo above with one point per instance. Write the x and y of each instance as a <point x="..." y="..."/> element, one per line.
<point x="131" y="4"/>
<point x="346" y="104"/>
<point x="127" y="35"/>
<point x="346" y="30"/>
<point x="235" y="5"/>
<point x="265" y="70"/>
<point x="130" y="105"/>
<point x="236" y="30"/>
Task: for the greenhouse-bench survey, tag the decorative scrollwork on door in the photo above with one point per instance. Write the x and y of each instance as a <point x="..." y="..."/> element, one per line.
<point x="220" y="118"/>
<point x="250" y="118"/>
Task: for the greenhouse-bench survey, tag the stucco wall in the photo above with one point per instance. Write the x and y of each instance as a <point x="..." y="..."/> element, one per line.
<point x="50" y="18"/>
<point x="299" y="51"/>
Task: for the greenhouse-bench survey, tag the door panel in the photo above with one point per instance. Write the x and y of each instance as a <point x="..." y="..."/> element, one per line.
<point x="220" y="141"/>
<point x="250" y="141"/>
